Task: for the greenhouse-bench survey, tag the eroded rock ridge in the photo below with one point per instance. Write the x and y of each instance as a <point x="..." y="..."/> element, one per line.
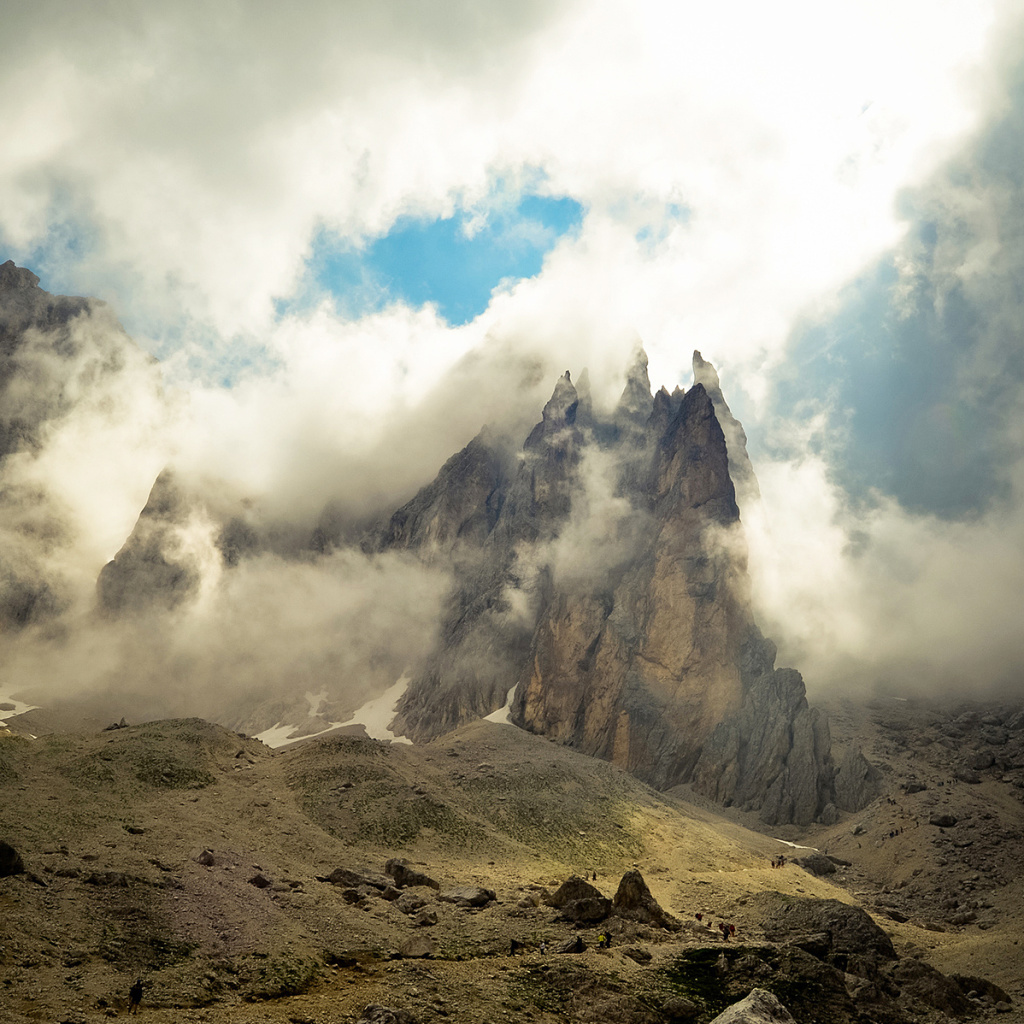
<point x="601" y="589"/>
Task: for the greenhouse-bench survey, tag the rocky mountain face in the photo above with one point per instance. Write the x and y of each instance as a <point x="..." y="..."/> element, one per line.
<point x="601" y="588"/>
<point x="57" y="352"/>
<point x="161" y="563"/>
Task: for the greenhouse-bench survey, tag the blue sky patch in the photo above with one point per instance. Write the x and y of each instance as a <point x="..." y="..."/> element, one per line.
<point x="455" y="262"/>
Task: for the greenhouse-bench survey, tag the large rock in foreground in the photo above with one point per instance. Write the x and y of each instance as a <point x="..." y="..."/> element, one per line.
<point x="760" y="1007"/>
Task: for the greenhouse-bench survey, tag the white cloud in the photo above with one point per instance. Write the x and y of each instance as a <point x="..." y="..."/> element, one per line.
<point x="198" y="151"/>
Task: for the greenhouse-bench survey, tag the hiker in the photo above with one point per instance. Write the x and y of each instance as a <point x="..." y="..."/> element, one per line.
<point x="543" y="946"/>
<point x="602" y="941"/>
<point x="699" y="916"/>
<point x="135" y="996"/>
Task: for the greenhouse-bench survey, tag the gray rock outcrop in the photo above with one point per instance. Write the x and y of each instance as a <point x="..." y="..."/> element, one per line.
<point x="857" y="781"/>
<point x="760" y="1007"/>
<point x="467" y="896"/>
<point x="406" y="876"/>
<point x="850" y="930"/>
<point x="633" y="900"/>
<point x="579" y="901"/>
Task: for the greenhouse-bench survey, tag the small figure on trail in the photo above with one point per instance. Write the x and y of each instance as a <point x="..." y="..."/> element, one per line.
<point x="135" y="996"/>
<point x="699" y="916"/>
<point x="732" y="929"/>
<point x="543" y="946"/>
<point x="724" y="929"/>
<point x="595" y="876"/>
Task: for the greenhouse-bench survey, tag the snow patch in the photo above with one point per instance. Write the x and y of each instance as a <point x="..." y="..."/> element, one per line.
<point x="17" y="707"/>
<point x="501" y="716"/>
<point x="795" y="846"/>
<point x="373" y="716"/>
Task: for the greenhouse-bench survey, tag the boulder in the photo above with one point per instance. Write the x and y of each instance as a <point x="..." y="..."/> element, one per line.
<point x="985" y="988"/>
<point x="359" y="893"/>
<point x="417" y="947"/>
<point x="579" y="901"/>
<point x="353" y="879"/>
<point x="633" y="900"/>
<point x="409" y="903"/>
<point x="849" y="929"/>
<point x="573" y="888"/>
<point x="10" y="861"/>
<point x="467" y="896"/>
<point x="923" y="982"/>
<point x="404" y="875"/>
<point x="637" y="954"/>
<point x="589" y="911"/>
<point x="760" y="1007"/>
<point x="817" y="944"/>
<point x="573" y="945"/>
<point x="942" y="820"/>
<point x="817" y="864"/>
<point x="680" y="1008"/>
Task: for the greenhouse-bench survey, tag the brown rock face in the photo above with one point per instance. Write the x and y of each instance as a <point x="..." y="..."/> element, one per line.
<point x="640" y="675"/>
<point x="610" y="590"/>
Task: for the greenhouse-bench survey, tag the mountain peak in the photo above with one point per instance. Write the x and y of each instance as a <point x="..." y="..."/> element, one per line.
<point x="15" y="278"/>
<point x="741" y="470"/>
<point x="705" y="373"/>
<point x="560" y="411"/>
<point x="635" y="402"/>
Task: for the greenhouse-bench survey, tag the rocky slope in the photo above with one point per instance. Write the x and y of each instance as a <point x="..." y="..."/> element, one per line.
<point x="437" y="881"/>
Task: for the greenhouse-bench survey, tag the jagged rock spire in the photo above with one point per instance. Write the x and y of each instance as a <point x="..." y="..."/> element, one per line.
<point x="559" y="413"/>
<point x="635" y="403"/>
<point x="735" y="438"/>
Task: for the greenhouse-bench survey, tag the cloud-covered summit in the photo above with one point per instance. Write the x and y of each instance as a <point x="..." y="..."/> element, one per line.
<point x="821" y="198"/>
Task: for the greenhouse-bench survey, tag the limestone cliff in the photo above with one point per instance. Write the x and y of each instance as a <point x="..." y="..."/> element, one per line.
<point x="486" y="633"/>
<point x="611" y="592"/>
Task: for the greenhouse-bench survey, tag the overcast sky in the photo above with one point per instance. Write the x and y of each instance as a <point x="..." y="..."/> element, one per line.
<point x="335" y="222"/>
